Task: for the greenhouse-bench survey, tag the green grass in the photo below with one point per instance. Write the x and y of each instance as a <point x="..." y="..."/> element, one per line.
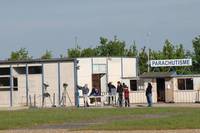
<point x="108" y="118"/>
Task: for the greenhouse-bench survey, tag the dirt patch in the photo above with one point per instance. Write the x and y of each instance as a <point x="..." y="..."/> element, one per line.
<point x="102" y="120"/>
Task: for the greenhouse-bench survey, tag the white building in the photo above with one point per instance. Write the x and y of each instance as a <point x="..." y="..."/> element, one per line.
<point x="22" y="82"/>
<point x="99" y="71"/>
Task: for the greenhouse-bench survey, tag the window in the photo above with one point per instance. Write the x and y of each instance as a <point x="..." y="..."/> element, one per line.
<point x="35" y="70"/>
<point x="133" y="85"/>
<point x="5" y="71"/>
<point x="31" y="70"/>
<point x="99" y="68"/>
<point x="185" y="84"/>
<point x="5" y="84"/>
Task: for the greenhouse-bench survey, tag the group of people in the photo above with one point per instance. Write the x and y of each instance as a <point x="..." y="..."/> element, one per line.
<point x="121" y="89"/>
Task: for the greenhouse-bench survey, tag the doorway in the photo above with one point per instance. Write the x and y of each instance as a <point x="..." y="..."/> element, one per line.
<point x="96" y="81"/>
<point x="160" y="89"/>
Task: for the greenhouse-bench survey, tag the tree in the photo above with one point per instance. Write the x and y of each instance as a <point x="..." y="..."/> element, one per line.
<point x="88" y="52"/>
<point x="132" y="51"/>
<point x="47" y="55"/>
<point x="168" y="50"/>
<point x="143" y="59"/>
<point x="21" y="54"/>
<point x="74" y="52"/>
<point x="111" y="48"/>
<point x="196" y="54"/>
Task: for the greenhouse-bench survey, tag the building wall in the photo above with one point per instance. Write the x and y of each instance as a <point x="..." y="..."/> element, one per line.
<point x="187" y="96"/>
<point x="114" y="68"/>
<point x="67" y="76"/>
<point x="35" y="85"/>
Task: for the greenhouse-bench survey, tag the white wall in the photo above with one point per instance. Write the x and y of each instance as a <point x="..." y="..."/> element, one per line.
<point x="114" y="70"/>
<point x="129" y="67"/>
<point x="85" y="72"/>
<point x="35" y="85"/>
<point x="67" y="76"/>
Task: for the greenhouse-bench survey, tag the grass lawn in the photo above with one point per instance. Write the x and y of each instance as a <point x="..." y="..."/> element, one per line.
<point x="107" y="118"/>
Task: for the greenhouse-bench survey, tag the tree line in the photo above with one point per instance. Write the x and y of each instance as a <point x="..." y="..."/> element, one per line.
<point x="118" y="48"/>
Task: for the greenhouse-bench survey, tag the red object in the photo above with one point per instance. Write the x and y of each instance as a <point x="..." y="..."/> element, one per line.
<point x="126" y="93"/>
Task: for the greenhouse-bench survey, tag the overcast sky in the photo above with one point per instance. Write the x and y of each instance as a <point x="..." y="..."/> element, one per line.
<point x="41" y="25"/>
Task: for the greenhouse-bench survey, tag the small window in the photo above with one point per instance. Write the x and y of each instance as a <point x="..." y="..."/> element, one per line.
<point x="133" y="85"/>
<point x="35" y="70"/>
<point x="181" y="84"/>
<point x="5" y="71"/>
<point x="15" y="81"/>
<point x="189" y="84"/>
<point x="185" y="84"/>
<point x="5" y="84"/>
<point x="4" y="81"/>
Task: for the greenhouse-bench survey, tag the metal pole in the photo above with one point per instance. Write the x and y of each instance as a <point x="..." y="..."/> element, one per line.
<point x="27" y="85"/>
<point x="59" y="83"/>
<point x="148" y="60"/>
<point x="42" y="85"/>
<point x="76" y="83"/>
<point x="11" y="86"/>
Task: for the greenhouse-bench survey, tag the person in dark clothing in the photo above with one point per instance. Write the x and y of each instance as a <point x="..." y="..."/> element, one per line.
<point x="120" y="93"/>
<point x="126" y="96"/>
<point x="149" y="94"/>
<point x="111" y="92"/>
<point x="94" y="92"/>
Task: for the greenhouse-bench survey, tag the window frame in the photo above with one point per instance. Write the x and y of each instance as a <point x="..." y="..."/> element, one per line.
<point x="186" y="86"/>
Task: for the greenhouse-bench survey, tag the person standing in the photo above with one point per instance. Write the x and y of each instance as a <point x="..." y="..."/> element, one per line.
<point x="85" y="91"/>
<point x="149" y="94"/>
<point x="126" y="96"/>
<point x="120" y="93"/>
<point x="111" y="93"/>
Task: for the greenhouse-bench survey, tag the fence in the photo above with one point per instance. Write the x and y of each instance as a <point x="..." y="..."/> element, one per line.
<point x="186" y="96"/>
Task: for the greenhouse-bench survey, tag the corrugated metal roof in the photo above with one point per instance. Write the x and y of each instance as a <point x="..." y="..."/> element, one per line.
<point x="165" y="75"/>
<point x="32" y="61"/>
<point x="157" y="74"/>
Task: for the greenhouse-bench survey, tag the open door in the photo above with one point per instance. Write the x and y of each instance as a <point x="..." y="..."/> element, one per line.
<point x="160" y="89"/>
<point x="96" y="81"/>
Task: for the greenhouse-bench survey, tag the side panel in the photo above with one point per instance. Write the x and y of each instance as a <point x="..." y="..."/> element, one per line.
<point x="129" y="67"/>
<point x="67" y="76"/>
<point x="84" y="74"/>
<point x="51" y="78"/>
<point x="114" y="70"/>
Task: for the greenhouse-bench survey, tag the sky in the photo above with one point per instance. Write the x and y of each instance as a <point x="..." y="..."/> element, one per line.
<point x="40" y="25"/>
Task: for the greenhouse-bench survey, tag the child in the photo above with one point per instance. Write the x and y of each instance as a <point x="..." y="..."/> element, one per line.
<point x="126" y="96"/>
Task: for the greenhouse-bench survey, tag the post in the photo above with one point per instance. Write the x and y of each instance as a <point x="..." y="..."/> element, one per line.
<point x="11" y="86"/>
<point x="34" y="100"/>
<point x="27" y="85"/>
<point x="42" y="85"/>
<point x="30" y="101"/>
<point x="148" y="60"/>
<point x="59" y="83"/>
<point x="76" y="82"/>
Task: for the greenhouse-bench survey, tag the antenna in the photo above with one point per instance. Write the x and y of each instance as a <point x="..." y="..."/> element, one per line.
<point x="76" y="42"/>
